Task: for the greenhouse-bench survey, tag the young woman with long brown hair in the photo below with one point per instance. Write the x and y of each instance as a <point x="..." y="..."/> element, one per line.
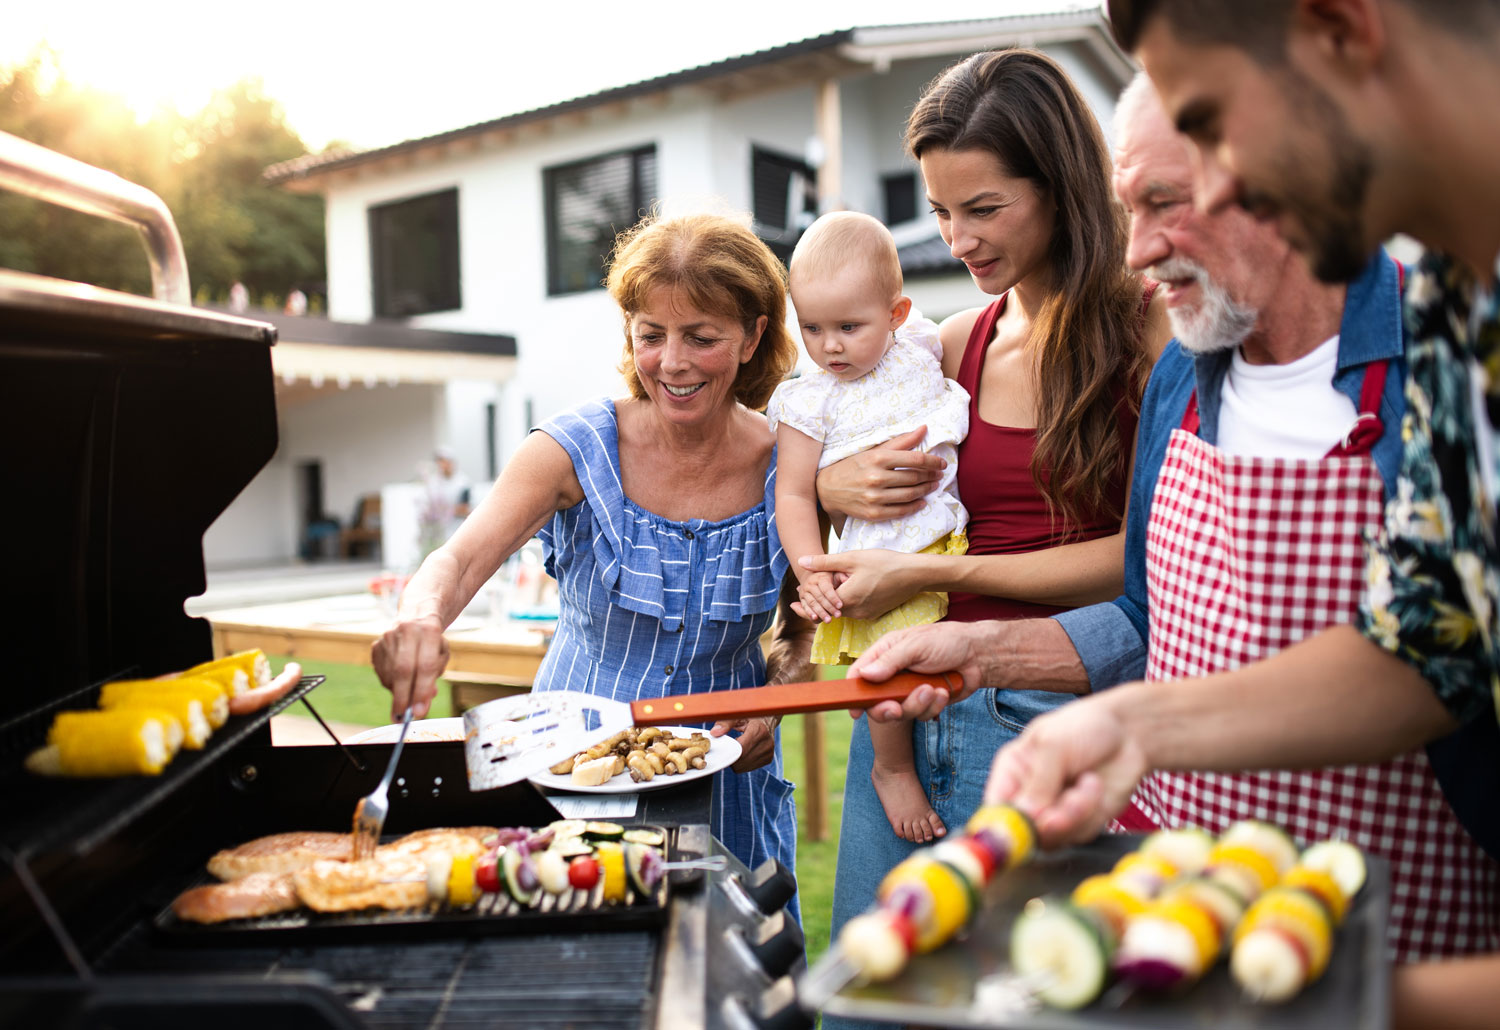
<point x="1018" y="176"/>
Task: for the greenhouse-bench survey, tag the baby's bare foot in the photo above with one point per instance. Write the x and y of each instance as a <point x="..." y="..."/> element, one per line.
<point x="906" y="805"/>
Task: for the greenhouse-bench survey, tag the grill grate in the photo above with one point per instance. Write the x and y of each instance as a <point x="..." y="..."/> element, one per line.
<point x="595" y="980"/>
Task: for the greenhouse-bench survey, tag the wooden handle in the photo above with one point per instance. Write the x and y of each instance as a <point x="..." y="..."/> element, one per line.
<point x="784" y="698"/>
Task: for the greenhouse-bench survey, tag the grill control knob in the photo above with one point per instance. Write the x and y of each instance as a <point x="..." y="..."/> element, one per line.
<point x="778" y="945"/>
<point x="771" y="886"/>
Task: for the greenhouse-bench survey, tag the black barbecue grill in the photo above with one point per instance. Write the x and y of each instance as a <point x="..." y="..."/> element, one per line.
<point x="130" y="424"/>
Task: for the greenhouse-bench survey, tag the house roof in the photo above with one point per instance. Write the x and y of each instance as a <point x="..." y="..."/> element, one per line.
<point x="843" y="52"/>
<point x="930" y="256"/>
<point x="384" y="335"/>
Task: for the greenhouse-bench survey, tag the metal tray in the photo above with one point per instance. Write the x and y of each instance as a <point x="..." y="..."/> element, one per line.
<point x="969" y="983"/>
<point x="492" y="914"/>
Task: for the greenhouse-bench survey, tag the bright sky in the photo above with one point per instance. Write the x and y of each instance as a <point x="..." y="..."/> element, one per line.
<point x="379" y="72"/>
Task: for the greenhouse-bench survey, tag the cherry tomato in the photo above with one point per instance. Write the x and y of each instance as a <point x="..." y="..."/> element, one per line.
<point x="583" y="872"/>
<point x="487" y="874"/>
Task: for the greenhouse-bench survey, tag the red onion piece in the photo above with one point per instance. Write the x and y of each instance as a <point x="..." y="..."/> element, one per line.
<point x="1151" y="974"/>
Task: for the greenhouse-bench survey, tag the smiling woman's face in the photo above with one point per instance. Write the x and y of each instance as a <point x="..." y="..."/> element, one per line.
<point x="687" y="359"/>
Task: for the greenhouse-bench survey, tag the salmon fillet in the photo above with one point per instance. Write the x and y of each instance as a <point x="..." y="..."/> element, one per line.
<point x="259" y="894"/>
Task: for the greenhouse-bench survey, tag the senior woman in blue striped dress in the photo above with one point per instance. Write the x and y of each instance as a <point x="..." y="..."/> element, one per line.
<point x="657" y="514"/>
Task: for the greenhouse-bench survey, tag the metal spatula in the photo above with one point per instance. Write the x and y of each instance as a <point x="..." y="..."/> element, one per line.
<point x="517" y="737"/>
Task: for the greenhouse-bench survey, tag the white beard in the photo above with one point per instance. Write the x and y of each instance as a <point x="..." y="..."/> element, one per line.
<point x="1217" y="322"/>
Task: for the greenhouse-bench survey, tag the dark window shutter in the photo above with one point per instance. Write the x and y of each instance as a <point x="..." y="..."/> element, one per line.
<point x="900" y="197"/>
<point x="588" y="204"/>
<point x="783" y="189"/>
<point x="414" y="255"/>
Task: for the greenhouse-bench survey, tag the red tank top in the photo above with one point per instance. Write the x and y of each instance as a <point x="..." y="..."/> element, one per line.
<point x="1007" y="513"/>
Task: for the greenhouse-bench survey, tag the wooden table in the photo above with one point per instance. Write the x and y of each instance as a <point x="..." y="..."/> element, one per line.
<point x="341" y="629"/>
<point x="484" y="660"/>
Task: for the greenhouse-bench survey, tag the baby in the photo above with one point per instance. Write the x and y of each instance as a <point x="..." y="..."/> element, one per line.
<point x="879" y="374"/>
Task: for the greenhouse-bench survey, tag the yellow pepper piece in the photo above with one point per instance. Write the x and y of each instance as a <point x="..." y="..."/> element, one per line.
<point x="1261" y="867"/>
<point x="951" y="906"/>
<point x="1012" y="823"/>
<point x="1295" y="912"/>
<point x="1115" y="900"/>
<point x="1322" y="885"/>
<point x="463" y="889"/>
<point x="612" y="867"/>
<point x="1202" y="928"/>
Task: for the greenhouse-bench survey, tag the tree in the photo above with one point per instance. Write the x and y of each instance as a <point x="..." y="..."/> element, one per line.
<point x="206" y="167"/>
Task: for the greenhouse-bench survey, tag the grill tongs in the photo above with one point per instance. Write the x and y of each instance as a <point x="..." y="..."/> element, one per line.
<point x="513" y="738"/>
<point x="370" y="812"/>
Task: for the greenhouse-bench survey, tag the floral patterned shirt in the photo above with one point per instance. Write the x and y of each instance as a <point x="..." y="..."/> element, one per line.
<point x="1434" y="569"/>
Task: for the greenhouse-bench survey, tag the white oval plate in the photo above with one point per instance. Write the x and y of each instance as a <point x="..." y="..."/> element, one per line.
<point x="724" y="753"/>
<point x="421" y="731"/>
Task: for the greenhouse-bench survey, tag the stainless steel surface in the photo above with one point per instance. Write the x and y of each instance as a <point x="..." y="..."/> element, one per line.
<point x="683" y="997"/>
<point x="970" y="983"/>
<point x="47" y="175"/>
<point x="370" y="811"/>
<point x="58" y="301"/>
<point x="512" y="738"/>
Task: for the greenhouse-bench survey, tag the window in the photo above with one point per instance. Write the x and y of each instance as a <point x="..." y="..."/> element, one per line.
<point x="588" y="202"/>
<point x="414" y="255"/>
<point x="900" y="192"/>
<point x="784" y="192"/>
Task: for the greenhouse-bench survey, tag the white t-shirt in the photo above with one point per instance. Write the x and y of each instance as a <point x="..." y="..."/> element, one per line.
<point x="1284" y="411"/>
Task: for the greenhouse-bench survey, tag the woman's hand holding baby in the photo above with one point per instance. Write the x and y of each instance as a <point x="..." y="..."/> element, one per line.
<point x="884" y="482"/>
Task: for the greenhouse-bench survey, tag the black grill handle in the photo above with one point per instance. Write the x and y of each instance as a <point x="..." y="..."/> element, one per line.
<point x="777" y="1009"/>
<point x="771" y="886"/>
<point x="779" y="945"/>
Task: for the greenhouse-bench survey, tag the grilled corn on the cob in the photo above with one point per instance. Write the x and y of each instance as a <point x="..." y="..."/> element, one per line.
<point x="239" y="672"/>
<point x="121" y="742"/>
<point x="189" y="701"/>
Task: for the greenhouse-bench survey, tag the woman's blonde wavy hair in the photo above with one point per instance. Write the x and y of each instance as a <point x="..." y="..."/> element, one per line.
<point x="720" y="267"/>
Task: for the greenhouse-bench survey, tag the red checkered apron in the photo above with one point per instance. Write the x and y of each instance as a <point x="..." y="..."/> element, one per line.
<point x="1246" y="556"/>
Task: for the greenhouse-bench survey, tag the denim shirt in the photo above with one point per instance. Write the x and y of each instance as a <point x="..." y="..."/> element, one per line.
<point x="1111" y="637"/>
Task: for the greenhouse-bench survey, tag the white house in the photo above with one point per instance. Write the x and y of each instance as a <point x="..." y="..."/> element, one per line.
<point x="501" y="227"/>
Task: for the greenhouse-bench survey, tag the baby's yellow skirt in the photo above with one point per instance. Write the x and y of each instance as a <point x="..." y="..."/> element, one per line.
<point x="842" y="640"/>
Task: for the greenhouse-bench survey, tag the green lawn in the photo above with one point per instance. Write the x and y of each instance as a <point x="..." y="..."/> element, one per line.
<point x="352" y="694"/>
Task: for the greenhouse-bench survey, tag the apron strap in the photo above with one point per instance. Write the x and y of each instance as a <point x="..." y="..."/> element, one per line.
<point x="1364" y="434"/>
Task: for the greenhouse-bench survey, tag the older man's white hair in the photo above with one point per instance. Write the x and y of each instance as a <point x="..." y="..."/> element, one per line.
<point x="1218" y="321"/>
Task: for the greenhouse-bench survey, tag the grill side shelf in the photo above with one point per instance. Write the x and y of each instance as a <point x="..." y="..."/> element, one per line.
<point x="76" y="816"/>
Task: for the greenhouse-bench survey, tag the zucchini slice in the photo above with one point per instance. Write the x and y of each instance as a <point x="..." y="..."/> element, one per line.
<point x="567" y="828"/>
<point x="1340" y="860"/>
<point x="513" y="875"/>
<point x="1058" y="946"/>
<point x="641" y="835"/>
<point x="571" y="847"/>
<point x="603" y="831"/>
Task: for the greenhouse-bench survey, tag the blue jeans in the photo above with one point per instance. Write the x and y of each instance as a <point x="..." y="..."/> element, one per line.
<point x="953" y="754"/>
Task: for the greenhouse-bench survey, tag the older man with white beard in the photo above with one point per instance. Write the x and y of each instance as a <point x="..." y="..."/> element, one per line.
<point x="1274" y="364"/>
<point x="1269" y="441"/>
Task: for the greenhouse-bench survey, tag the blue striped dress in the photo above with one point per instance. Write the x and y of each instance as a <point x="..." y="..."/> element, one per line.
<point x="652" y="607"/>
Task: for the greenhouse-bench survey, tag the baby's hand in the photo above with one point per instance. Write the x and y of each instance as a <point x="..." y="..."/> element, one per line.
<point x="818" y="598"/>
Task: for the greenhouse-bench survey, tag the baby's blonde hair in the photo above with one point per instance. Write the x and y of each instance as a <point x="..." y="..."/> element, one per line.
<point x="841" y="239"/>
